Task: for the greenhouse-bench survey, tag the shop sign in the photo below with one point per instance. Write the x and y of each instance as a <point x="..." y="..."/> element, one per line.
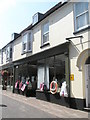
<point x="72" y="77"/>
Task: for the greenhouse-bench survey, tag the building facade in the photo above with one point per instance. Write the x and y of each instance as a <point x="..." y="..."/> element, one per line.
<point x="55" y="47"/>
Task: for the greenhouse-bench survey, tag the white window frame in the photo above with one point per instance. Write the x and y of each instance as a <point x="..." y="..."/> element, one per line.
<point x="75" y="17"/>
<point x="8" y="52"/>
<point x="26" y="42"/>
<point x="35" y="18"/>
<point x="42" y="41"/>
<point x="1" y="56"/>
<point x="29" y="40"/>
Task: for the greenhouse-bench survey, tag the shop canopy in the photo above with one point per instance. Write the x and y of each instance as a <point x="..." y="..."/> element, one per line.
<point x="60" y="49"/>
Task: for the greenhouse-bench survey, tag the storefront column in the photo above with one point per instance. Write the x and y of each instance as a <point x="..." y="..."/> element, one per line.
<point x="67" y="73"/>
<point x="46" y="75"/>
<point x="54" y="68"/>
<point x="13" y="78"/>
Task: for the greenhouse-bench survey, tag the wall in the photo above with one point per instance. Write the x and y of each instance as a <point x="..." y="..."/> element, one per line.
<point x="18" y="49"/>
<point x="76" y="48"/>
<point x="59" y="21"/>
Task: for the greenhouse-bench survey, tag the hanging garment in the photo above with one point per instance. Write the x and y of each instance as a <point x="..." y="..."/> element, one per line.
<point x="16" y="84"/>
<point x="27" y="83"/>
<point x="20" y="85"/>
<point x="41" y="86"/>
<point x="63" y="91"/>
<point x="23" y="87"/>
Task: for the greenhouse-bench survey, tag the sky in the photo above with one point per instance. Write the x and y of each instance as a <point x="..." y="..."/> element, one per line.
<point x="16" y="15"/>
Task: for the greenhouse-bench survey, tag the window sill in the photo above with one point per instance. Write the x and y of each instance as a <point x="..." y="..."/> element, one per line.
<point x="44" y="45"/>
<point x="83" y="29"/>
<point x="26" y="52"/>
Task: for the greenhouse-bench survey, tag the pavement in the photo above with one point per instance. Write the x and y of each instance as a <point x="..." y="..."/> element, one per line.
<point x="51" y="108"/>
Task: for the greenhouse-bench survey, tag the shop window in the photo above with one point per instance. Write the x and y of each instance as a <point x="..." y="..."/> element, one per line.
<point x="81" y="15"/>
<point x="45" y="33"/>
<point x="54" y="69"/>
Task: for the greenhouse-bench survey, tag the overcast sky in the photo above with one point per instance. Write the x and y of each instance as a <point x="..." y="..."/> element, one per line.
<point x="16" y="15"/>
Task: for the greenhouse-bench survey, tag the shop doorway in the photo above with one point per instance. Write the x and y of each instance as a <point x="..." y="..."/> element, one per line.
<point x="87" y="81"/>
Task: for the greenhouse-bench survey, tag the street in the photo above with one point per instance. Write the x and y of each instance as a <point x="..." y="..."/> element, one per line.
<point x="18" y="106"/>
<point x="15" y="109"/>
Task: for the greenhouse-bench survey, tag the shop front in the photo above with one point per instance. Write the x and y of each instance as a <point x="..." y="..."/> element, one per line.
<point x="25" y="79"/>
<point x="47" y="72"/>
<point x="7" y="77"/>
<point x="53" y="79"/>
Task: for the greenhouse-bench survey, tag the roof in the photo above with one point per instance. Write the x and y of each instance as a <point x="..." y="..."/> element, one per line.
<point x="49" y="12"/>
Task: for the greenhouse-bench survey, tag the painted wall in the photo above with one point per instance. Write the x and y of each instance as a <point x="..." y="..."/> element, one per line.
<point x="59" y="21"/>
<point x="18" y="50"/>
<point x="76" y="48"/>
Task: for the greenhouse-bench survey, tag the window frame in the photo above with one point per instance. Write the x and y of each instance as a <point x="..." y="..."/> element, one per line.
<point x="42" y="40"/>
<point x="35" y="18"/>
<point x="26" y="42"/>
<point x="29" y="40"/>
<point x="1" y="56"/>
<point x="77" y="16"/>
<point x="9" y="53"/>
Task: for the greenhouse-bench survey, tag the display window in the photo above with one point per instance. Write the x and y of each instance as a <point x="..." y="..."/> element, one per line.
<point x="53" y="73"/>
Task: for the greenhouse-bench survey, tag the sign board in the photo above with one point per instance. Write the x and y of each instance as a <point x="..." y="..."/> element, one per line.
<point x="72" y="77"/>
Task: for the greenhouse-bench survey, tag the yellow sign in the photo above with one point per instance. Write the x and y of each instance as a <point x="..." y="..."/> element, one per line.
<point x="72" y="77"/>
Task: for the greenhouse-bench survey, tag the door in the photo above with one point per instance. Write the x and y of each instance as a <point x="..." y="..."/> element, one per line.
<point x="87" y="84"/>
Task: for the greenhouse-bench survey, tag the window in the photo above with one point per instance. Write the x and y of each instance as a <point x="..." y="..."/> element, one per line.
<point x="24" y="43"/>
<point x="81" y="15"/>
<point x="9" y="53"/>
<point x="35" y="18"/>
<point x="45" y="33"/>
<point x="1" y="57"/>
<point x="27" y="42"/>
<point x="29" y="45"/>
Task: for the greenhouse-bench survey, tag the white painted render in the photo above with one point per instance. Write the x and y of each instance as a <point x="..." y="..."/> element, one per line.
<point x="17" y="48"/>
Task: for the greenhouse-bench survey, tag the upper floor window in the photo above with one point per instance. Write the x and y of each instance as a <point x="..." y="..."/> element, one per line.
<point x="45" y="33"/>
<point x="27" y="42"/>
<point x="1" y="57"/>
<point x="35" y="19"/>
<point x="24" y="43"/>
<point x="81" y="15"/>
<point x="9" y="53"/>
